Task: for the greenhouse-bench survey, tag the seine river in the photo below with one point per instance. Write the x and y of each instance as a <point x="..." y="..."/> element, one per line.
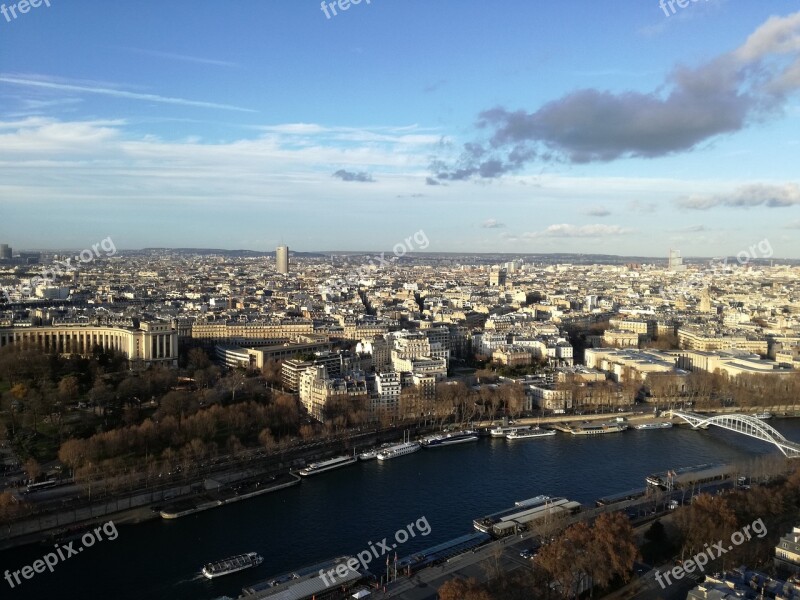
<point x="340" y="512"/>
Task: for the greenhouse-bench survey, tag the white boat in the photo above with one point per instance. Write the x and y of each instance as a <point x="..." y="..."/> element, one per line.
<point x="763" y="415"/>
<point x="662" y="425"/>
<point x="501" y="431"/>
<point x="531" y="433"/>
<point x="233" y="564"/>
<point x="448" y="439"/>
<point x="372" y="454"/>
<point x="327" y="465"/>
<point x="398" y="450"/>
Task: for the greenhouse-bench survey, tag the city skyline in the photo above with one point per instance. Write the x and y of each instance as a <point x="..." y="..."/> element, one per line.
<point x="272" y="254"/>
<point x="158" y="135"/>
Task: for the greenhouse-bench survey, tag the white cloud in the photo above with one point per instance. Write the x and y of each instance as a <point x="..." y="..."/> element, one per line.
<point x="746" y="196"/>
<point x="566" y="230"/>
<point x="116" y="93"/>
<point x="183" y="57"/>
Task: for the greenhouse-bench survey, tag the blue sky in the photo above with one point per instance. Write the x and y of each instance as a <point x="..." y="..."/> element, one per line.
<point x="527" y="127"/>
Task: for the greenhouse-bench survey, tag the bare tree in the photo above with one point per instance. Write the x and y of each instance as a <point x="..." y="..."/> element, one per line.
<point x="32" y="469"/>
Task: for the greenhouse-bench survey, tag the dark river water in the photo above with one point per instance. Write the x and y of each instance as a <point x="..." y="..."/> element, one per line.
<point x="342" y="511"/>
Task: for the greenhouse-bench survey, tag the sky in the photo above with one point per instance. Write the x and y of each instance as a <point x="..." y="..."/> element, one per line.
<point x="618" y="127"/>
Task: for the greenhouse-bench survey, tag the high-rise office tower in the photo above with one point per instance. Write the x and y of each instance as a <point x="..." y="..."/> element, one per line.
<point x="675" y="262"/>
<point x="282" y="259"/>
<point x="5" y="252"/>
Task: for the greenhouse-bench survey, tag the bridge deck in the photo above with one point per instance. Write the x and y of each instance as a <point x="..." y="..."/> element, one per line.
<point x="745" y="424"/>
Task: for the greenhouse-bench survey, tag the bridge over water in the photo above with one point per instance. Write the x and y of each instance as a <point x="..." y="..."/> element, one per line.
<point x="745" y="424"/>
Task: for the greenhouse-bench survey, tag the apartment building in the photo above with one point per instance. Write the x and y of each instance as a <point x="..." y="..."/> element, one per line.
<point x="387" y="397"/>
<point x="291" y="370"/>
<point x="547" y="397"/>
<point x="316" y="389"/>
<point x="435" y="367"/>
<point x="353" y="331"/>
<point x="380" y="350"/>
<point x="644" y="327"/>
<point x="787" y="552"/>
<point x="513" y="356"/>
<point x="411" y="345"/>
<point x="284" y="331"/>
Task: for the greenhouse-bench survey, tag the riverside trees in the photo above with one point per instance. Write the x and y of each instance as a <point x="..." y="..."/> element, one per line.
<point x="581" y="559"/>
<point x="583" y="556"/>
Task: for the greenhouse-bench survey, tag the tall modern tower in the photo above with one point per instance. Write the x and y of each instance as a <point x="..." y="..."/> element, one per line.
<point x="282" y="259"/>
<point x="5" y="252"/>
<point x="675" y="262"/>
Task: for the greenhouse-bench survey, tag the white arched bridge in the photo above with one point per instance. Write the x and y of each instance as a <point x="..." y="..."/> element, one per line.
<point x="746" y="424"/>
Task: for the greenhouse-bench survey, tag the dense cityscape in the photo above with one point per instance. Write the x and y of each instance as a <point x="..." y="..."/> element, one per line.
<point x="399" y="300"/>
<point x="181" y="365"/>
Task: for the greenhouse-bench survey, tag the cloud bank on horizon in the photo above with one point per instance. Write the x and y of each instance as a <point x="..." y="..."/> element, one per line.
<point x="748" y="196"/>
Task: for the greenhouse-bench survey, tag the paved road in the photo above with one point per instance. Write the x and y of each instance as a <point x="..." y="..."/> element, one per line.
<point x="423" y="585"/>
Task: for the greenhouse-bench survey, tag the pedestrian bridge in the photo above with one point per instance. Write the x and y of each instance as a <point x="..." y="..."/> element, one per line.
<point x="745" y="424"/>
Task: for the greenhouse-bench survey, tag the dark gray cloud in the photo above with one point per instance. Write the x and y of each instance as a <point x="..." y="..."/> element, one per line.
<point x="747" y="196"/>
<point x="432" y="181"/>
<point x="693" y="106"/>
<point x="478" y="160"/>
<point x="361" y="177"/>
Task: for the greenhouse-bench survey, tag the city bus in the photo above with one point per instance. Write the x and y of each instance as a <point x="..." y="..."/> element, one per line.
<point x="43" y="485"/>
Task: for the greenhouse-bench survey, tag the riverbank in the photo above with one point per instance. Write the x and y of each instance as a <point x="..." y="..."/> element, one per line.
<point x="251" y="467"/>
<point x="779" y="411"/>
<point x="242" y="491"/>
<point x="120" y="510"/>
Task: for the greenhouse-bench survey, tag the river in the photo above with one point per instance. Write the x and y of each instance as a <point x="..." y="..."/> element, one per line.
<point x="342" y="511"/>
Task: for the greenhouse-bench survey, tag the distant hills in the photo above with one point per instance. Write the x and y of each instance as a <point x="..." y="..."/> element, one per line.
<point x="477" y="257"/>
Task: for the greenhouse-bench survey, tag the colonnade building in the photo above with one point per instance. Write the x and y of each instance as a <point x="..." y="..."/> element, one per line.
<point x="150" y="342"/>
